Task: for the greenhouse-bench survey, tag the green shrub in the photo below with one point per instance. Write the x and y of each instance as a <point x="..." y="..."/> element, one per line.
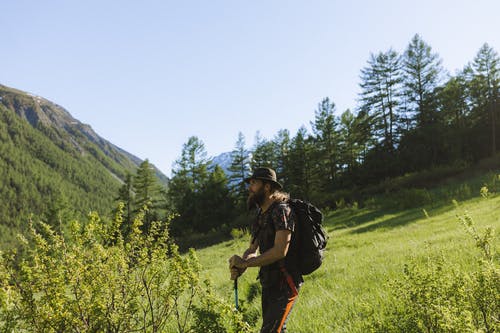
<point x="340" y="204"/>
<point x="412" y="198"/>
<point x="95" y="280"/>
<point x="423" y="178"/>
<point x="484" y="192"/>
<point x="462" y="192"/>
<point x="435" y="296"/>
<point x="432" y="298"/>
<point x="216" y="316"/>
<point x="237" y="233"/>
<point x="494" y="183"/>
<point x="405" y="199"/>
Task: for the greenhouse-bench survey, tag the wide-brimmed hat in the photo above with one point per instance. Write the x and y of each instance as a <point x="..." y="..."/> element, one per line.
<point x="266" y="174"/>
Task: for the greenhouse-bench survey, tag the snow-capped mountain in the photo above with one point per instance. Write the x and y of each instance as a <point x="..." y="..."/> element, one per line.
<point x="224" y="160"/>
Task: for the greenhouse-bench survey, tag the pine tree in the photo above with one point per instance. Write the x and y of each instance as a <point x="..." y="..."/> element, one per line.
<point x="240" y="168"/>
<point x="484" y="83"/>
<point x="453" y="101"/>
<point x="281" y="153"/>
<point x="424" y="145"/>
<point x="300" y="166"/>
<point x="147" y="193"/>
<point x="126" y="195"/>
<point x="455" y="110"/>
<point x="59" y="211"/>
<point x="190" y="173"/>
<point x="191" y="170"/>
<point x="327" y="141"/>
<point x="263" y="153"/>
<point x="381" y="96"/>
<point x="352" y="140"/>
<point x="214" y="206"/>
<point x="423" y="73"/>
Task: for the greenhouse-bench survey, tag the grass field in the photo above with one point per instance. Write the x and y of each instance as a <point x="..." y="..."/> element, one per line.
<point x="367" y="249"/>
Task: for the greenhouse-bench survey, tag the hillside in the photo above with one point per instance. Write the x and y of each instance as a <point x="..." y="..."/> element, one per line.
<point x="51" y="162"/>
<point x="369" y="250"/>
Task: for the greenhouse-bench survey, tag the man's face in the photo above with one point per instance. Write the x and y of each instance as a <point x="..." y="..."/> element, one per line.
<point x="256" y="194"/>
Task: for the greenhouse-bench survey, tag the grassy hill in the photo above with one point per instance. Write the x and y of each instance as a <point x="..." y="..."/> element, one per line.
<point x="368" y="251"/>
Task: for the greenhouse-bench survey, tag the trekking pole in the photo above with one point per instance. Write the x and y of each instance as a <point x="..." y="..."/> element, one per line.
<point x="236" y="293"/>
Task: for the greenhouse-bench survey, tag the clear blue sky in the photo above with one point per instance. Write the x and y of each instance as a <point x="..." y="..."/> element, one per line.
<point x="146" y="75"/>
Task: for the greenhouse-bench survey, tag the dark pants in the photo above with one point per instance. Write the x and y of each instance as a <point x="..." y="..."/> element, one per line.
<point x="277" y="303"/>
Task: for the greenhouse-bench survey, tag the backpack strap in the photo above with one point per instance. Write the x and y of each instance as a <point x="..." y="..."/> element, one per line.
<point x="288" y="279"/>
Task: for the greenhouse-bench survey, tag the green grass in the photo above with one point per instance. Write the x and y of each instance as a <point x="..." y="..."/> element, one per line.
<point x="367" y="249"/>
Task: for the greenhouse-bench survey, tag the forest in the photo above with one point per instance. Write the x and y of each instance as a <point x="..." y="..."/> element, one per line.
<point x="414" y="125"/>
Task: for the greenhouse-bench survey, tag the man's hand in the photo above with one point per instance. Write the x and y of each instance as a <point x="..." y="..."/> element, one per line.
<point x="237" y="261"/>
<point x="237" y="266"/>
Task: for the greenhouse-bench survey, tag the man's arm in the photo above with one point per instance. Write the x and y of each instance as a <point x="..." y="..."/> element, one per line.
<point x="251" y="252"/>
<point x="277" y="252"/>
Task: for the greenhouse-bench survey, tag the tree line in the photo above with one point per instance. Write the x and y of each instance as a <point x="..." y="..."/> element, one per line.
<point x="411" y="116"/>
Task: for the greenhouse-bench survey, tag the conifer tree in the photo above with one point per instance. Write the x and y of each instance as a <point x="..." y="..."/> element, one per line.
<point x="59" y="211"/>
<point x="126" y="195"/>
<point x="381" y="96"/>
<point x="240" y="168"/>
<point x="214" y="206"/>
<point x="193" y="164"/>
<point x="424" y="145"/>
<point x="300" y="171"/>
<point x="147" y="192"/>
<point x="263" y="153"/>
<point x="423" y="72"/>
<point x="455" y="109"/>
<point x="351" y="140"/>
<point x="190" y="173"/>
<point x="484" y="83"/>
<point x="453" y="101"/>
<point x="281" y="154"/>
<point x="327" y="141"/>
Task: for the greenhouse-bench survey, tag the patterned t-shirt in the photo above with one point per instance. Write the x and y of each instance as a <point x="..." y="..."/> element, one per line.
<point x="279" y="216"/>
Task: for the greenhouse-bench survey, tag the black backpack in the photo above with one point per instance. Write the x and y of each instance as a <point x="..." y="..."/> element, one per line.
<point x="310" y="237"/>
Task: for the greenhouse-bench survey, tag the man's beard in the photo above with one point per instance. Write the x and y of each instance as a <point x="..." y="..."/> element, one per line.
<point x="256" y="199"/>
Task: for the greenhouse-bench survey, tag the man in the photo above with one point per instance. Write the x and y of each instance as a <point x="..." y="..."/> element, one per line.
<point x="273" y="235"/>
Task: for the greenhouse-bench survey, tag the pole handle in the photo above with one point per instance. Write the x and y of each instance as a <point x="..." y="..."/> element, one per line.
<point x="236" y="293"/>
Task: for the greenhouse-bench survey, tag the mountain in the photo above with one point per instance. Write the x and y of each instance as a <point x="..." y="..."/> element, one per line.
<point x="61" y="125"/>
<point x="223" y="160"/>
<point x="49" y="160"/>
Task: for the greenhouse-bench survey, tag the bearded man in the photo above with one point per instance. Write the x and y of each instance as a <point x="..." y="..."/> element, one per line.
<point x="273" y="237"/>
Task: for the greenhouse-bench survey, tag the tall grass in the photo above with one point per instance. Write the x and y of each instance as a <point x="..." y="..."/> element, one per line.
<point x="367" y="252"/>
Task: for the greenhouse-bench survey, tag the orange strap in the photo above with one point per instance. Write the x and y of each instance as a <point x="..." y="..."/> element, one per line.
<point x="291" y="299"/>
<point x="290" y="282"/>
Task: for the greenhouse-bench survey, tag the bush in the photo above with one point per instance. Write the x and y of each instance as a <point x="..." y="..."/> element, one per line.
<point x="217" y="316"/>
<point x="412" y="198"/>
<point x="431" y="299"/>
<point x="424" y="178"/>
<point x="98" y="281"/>
<point x="494" y="183"/>
<point x="237" y="233"/>
<point x="405" y="199"/>
<point x="435" y="296"/>
<point x="462" y="192"/>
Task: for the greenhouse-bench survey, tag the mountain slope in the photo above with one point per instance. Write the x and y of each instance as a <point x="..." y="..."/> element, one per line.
<point x="223" y="160"/>
<point x="63" y="129"/>
<point x="51" y="162"/>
